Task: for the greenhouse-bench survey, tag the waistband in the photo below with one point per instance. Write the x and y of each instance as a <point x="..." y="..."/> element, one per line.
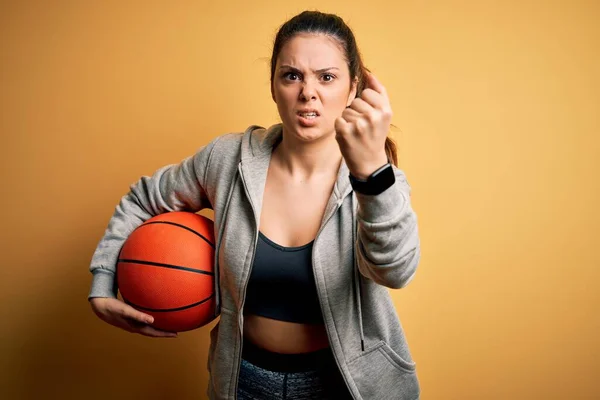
<point x="279" y="362"/>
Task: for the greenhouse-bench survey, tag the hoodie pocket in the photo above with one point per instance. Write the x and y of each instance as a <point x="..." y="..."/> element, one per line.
<point x="380" y="373"/>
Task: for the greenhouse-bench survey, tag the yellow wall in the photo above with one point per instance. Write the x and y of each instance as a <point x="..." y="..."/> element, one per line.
<point x="497" y="105"/>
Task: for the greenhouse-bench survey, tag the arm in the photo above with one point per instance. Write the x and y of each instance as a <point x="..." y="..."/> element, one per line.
<point x="388" y="246"/>
<point x="176" y="187"/>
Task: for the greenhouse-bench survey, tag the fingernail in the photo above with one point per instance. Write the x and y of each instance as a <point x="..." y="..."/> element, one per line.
<point x="149" y="320"/>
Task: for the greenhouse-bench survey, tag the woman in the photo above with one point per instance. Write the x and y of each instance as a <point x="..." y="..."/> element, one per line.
<point x="313" y="224"/>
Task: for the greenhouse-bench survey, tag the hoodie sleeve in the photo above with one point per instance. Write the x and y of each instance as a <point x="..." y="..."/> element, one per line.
<point x="388" y="245"/>
<point x="175" y="187"/>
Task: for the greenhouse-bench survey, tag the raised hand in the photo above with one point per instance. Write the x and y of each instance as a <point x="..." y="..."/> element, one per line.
<point x="362" y="129"/>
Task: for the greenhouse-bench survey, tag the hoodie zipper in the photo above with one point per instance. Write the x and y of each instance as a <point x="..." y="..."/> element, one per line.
<point x="218" y="247"/>
<point x="332" y="213"/>
<point x="245" y="285"/>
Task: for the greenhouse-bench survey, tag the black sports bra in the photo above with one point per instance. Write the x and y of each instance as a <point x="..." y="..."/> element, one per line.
<point x="282" y="284"/>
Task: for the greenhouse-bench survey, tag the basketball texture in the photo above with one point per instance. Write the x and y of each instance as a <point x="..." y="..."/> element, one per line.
<point x="166" y="269"/>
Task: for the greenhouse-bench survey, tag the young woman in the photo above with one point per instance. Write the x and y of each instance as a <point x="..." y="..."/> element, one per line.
<point x="313" y="223"/>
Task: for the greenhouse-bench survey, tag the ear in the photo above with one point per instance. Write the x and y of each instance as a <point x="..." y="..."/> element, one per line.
<point x="352" y="94"/>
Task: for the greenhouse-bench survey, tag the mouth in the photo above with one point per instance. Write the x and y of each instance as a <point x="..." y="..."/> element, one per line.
<point x="308" y="119"/>
<point x="308" y="114"/>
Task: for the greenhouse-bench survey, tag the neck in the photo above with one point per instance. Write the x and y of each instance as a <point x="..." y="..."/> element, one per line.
<point x="304" y="161"/>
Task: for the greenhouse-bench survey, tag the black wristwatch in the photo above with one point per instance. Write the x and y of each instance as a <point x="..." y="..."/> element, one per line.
<point x="376" y="183"/>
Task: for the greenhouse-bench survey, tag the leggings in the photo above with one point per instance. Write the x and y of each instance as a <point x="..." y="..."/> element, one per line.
<point x="272" y="376"/>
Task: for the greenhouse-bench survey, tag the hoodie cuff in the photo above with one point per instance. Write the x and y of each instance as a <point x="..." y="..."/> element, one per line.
<point x="383" y="206"/>
<point x="103" y="285"/>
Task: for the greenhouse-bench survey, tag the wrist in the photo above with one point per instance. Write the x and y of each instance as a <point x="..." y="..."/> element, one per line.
<point x="365" y="171"/>
<point x="379" y="181"/>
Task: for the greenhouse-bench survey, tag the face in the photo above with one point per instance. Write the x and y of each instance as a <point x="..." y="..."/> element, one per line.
<point x="311" y="86"/>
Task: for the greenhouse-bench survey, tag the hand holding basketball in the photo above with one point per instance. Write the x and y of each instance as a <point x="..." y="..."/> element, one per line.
<point x="121" y="315"/>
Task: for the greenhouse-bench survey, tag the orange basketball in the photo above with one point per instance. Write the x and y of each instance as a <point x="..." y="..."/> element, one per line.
<point x="166" y="269"/>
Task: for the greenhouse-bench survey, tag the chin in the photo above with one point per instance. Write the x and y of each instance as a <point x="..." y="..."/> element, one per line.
<point x="306" y="134"/>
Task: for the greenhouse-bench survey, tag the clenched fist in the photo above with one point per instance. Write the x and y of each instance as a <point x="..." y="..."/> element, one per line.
<point x="362" y="129"/>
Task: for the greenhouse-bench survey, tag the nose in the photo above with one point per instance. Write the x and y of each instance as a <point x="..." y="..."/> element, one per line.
<point x="308" y="91"/>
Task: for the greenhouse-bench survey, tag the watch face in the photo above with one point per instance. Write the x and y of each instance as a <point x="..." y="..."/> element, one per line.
<point x="378" y="182"/>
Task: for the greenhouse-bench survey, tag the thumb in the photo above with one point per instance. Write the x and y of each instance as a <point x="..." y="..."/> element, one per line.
<point x="372" y="82"/>
<point x="342" y="127"/>
<point x="132" y="313"/>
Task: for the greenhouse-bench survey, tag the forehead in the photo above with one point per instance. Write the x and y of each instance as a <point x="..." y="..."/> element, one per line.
<point x="312" y="51"/>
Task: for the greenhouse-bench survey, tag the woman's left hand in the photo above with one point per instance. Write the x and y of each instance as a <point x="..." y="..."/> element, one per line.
<point x="362" y="129"/>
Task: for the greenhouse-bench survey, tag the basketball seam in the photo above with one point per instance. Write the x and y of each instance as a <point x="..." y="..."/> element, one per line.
<point x="167" y="309"/>
<point x="157" y="264"/>
<point x="180" y="226"/>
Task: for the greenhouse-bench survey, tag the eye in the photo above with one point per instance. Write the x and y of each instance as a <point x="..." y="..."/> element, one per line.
<point x="291" y="74"/>
<point x="332" y="77"/>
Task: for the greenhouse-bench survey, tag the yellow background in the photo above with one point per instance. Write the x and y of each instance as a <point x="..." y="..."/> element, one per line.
<point x="497" y="106"/>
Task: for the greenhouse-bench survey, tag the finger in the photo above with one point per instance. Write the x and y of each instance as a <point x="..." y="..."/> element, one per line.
<point x="361" y="106"/>
<point x="153" y="332"/>
<point x="373" y="83"/>
<point x="132" y="325"/>
<point x="357" y="122"/>
<point x="374" y="99"/>
<point x="133" y="314"/>
<point x="135" y="326"/>
<point x="351" y="115"/>
<point x="343" y="127"/>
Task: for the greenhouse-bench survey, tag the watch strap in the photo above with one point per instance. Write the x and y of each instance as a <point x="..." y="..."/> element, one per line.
<point x="376" y="183"/>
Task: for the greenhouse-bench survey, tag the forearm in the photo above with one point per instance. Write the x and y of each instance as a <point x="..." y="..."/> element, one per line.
<point x="388" y="245"/>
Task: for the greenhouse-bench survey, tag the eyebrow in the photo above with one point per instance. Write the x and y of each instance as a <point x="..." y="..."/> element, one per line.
<point x="297" y="70"/>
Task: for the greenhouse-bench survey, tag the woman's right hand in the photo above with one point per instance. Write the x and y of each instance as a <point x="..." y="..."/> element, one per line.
<point x="121" y="315"/>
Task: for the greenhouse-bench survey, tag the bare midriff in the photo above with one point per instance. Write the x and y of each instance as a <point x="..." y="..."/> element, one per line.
<point x="284" y="337"/>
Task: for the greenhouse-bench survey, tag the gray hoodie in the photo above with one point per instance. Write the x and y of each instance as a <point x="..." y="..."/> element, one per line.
<point x="365" y="245"/>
